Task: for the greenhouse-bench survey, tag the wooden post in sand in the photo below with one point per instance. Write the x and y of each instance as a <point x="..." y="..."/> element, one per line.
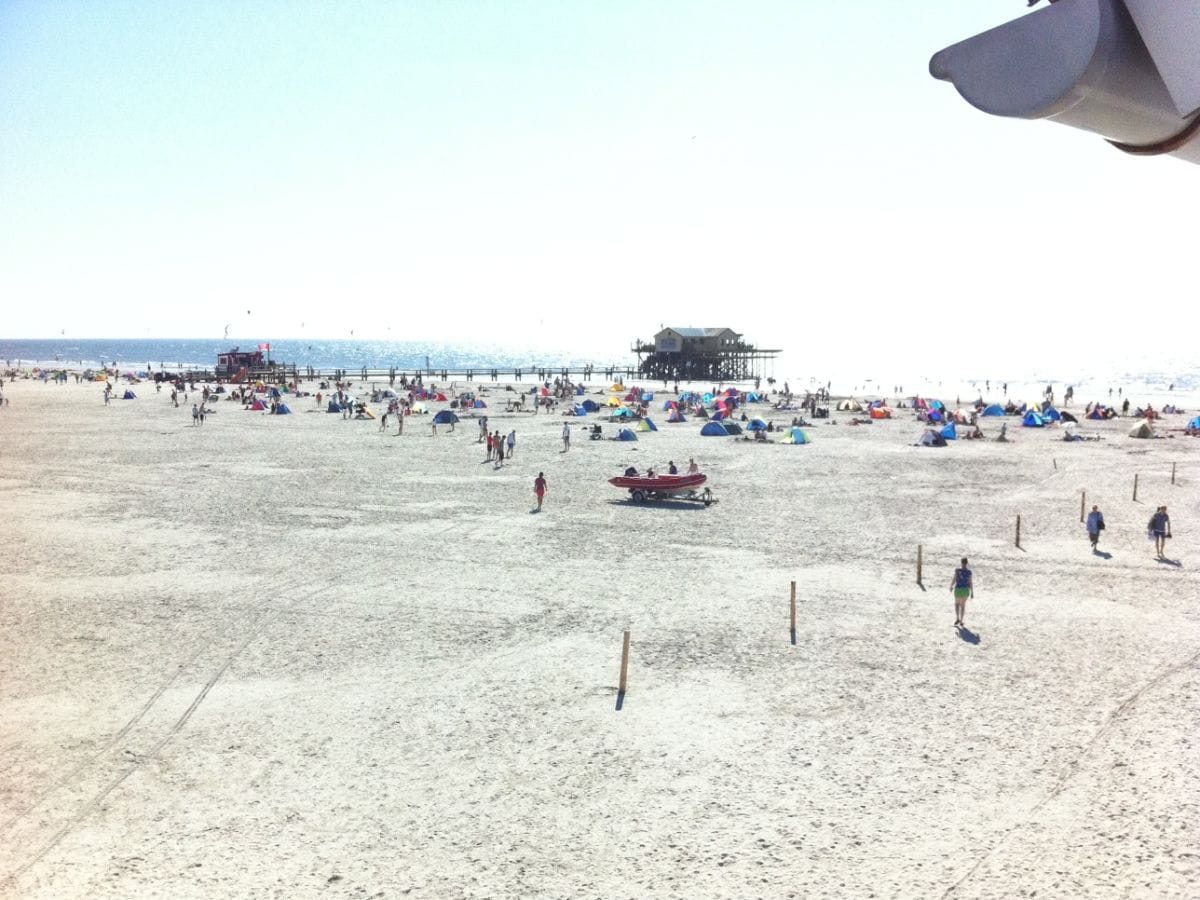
<point x="1055" y="461"/>
<point x="624" y="664"/>
<point x="919" y="561"/>
<point x="1082" y="504"/>
<point x="793" y="612"/>
<point x="1018" y="531"/>
<point x="1172" y="473"/>
<point x="1135" y="481"/>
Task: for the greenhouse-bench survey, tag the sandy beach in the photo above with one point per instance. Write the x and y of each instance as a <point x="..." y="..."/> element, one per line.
<point x="296" y="656"/>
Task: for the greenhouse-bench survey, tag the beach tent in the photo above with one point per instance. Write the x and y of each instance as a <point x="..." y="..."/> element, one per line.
<point x="850" y="405"/>
<point x="614" y="401"/>
<point x="386" y="394"/>
<point x="731" y="427"/>
<point x="258" y="406"/>
<point x="1067" y="417"/>
<point x="676" y="416"/>
<point x="646" y="425"/>
<point x="670" y="404"/>
<point x="590" y="405"/>
<point x="796" y="435"/>
<point x="579" y="409"/>
<point x="617" y="387"/>
<point x="719" y="414"/>
<point x="623" y="413"/>
<point x="994" y="410"/>
<point x="479" y="404"/>
<point x="700" y="413"/>
<point x="1033" y="420"/>
<point x="1098" y="412"/>
<point x="129" y="395"/>
<point x="752" y="397"/>
<point x="626" y="434"/>
<point x="647" y="397"/>
<point x="439" y="397"/>
<point x="931" y="438"/>
<point x="961" y="416"/>
<point x="420" y="408"/>
<point x="1141" y="430"/>
<point x="756" y="425"/>
<point x="935" y="415"/>
<point x="333" y="407"/>
<point x="1195" y="423"/>
<point x="445" y="417"/>
<point x="688" y="397"/>
<point x="1050" y="414"/>
<point x="880" y="412"/>
<point x="714" y="429"/>
<point x="282" y="410"/>
<point x="950" y="433"/>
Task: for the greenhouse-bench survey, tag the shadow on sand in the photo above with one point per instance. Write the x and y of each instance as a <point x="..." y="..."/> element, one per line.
<point x="620" y="700"/>
<point x="1170" y="562"/>
<point x="968" y="635"/>
<point x="659" y="504"/>
<point x="1102" y="554"/>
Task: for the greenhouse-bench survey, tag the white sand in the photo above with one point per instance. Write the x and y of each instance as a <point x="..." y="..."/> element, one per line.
<point x="292" y="656"/>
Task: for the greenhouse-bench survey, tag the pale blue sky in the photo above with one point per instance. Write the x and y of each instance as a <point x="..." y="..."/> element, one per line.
<point x="561" y="174"/>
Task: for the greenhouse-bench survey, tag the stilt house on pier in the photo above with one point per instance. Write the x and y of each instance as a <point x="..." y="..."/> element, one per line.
<point x="701" y="354"/>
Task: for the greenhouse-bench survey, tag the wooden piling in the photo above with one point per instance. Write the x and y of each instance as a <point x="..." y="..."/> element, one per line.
<point x="1055" y="461"/>
<point x="624" y="664"/>
<point x="1082" y="504"/>
<point x="1172" y="473"/>
<point x="793" y="608"/>
<point x="1135" y="481"/>
<point x="1018" y="531"/>
<point x="919" y="563"/>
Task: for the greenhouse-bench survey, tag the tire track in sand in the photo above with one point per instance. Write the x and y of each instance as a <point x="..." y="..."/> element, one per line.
<point x="118" y="779"/>
<point x="1073" y="767"/>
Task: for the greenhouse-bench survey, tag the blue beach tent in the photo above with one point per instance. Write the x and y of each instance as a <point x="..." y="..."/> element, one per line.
<point x="626" y="434"/>
<point x="1050" y="414"/>
<point x="129" y="395"/>
<point x="756" y="425"/>
<point x="623" y="412"/>
<point x="333" y="407"/>
<point x="1195" y="423"/>
<point x="590" y="405"/>
<point x="714" y="429"/>
<point x="950" y="433"/>
<point x="580" y="410"/>
<point x="994" y="410"/>
<point x="283" y="410"/>
<point x="1033" y="420"/>
<point x="445" y="417"/>
<point x="796" y="435"/>
<point x="676" y="416"/>
<point x="731" y="427"/>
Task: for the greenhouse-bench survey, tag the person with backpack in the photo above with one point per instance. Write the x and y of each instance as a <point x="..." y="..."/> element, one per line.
<point x="963" y="587"/>
<point x="1095" y="525"/>
<point x="1160" y="530"/>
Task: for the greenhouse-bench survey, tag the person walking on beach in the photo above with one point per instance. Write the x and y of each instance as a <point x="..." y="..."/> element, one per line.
<point x="1160" y="530"/>
<point x="963" y="588"/>
<point x="107" y="394"/>
<point x="539" y="488"/>
<point x="498" y="443"/>
<point x="511" y="440"/>
<point x="1095" y="525"/>
<point x="195" y="414"/>
<point x="566" y="436"/>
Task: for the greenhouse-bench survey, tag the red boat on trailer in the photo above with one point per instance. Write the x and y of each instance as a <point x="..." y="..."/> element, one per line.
<point x="665" y="487"/>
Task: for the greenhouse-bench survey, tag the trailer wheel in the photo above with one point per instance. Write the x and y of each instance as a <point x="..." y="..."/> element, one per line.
<point x="639" y="496"/>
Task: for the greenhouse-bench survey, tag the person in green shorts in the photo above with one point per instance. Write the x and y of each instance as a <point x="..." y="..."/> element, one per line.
<point x="963" y="588"/>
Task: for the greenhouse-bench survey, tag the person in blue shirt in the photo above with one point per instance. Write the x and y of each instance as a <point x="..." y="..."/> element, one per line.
<point x="1160" y="530"/>
<point x="963" y="588"/>
<point x="1095" y="525"/>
